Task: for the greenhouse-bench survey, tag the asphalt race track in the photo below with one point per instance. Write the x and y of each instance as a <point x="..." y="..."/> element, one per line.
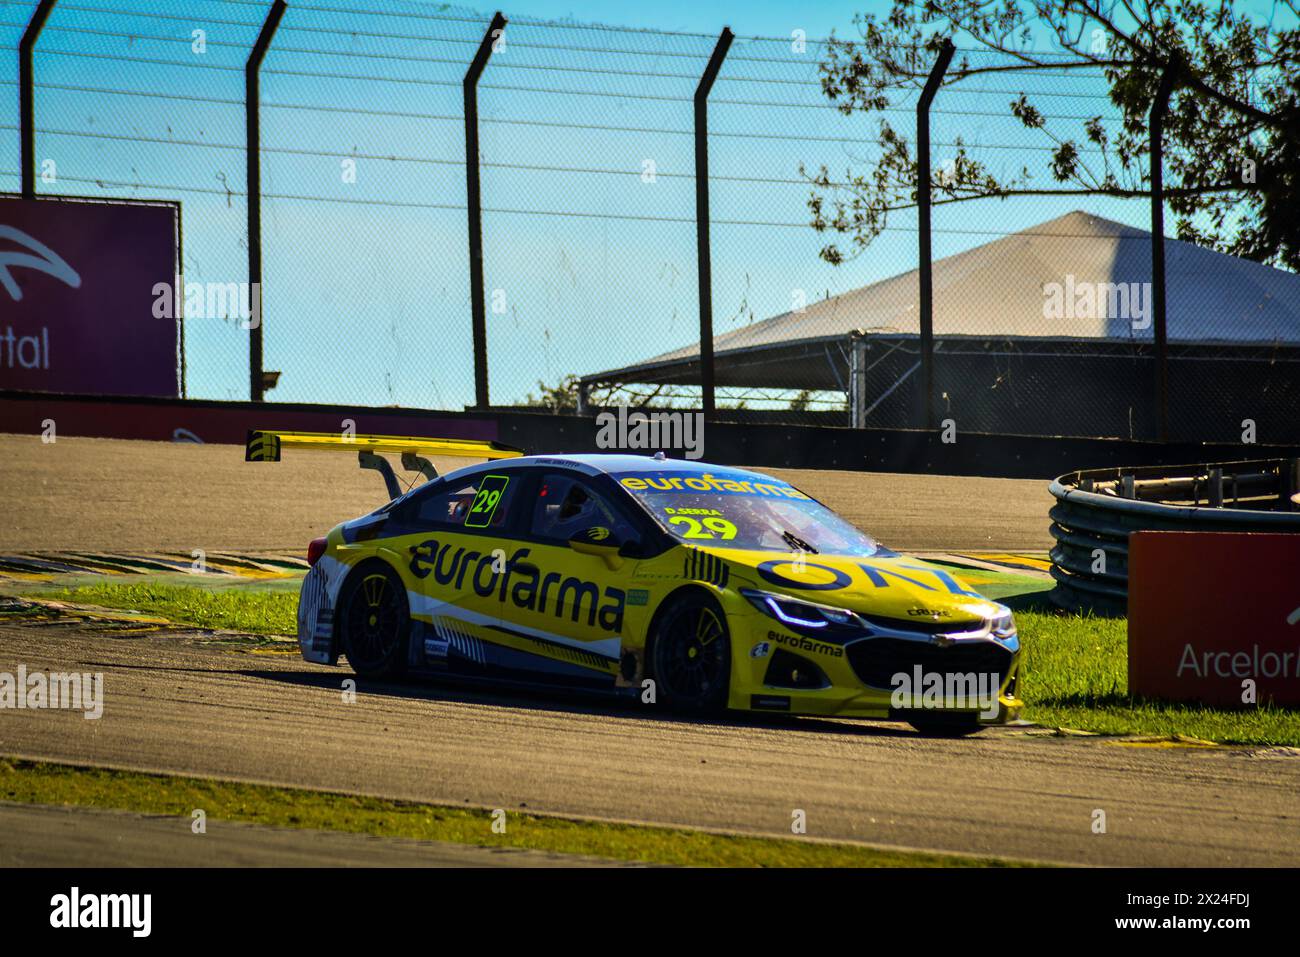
<point x="112" y="494"/>
<point x="175" y="704"/>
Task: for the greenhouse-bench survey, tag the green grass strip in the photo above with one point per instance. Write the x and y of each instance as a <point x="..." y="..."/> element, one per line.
<point x="32" y="782"/>
<point x="1076" y="676"/>
<point x="243" y="608"/>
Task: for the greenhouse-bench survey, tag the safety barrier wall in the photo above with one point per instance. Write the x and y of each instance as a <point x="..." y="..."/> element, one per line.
<point x="1096" y="510"/>
<point x="776" y="446"/>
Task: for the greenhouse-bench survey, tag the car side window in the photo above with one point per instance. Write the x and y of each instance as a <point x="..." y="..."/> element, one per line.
<point x="480" y="501"/>
<point x="565" y="506"/>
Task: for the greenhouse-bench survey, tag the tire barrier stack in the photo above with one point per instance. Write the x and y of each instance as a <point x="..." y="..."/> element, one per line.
<point x="1096" y="510"/>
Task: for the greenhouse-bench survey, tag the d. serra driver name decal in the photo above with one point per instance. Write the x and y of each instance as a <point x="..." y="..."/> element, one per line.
<point x="486" y="499"/>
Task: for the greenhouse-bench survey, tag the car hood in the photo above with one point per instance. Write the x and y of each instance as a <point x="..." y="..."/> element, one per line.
<point x="890" y="586"/>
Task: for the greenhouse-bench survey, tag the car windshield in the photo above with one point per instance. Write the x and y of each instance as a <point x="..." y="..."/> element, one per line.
<point x="741" y="510"/>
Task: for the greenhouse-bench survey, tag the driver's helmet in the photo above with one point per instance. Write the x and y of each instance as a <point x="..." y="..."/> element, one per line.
<point x="576" y="504"/>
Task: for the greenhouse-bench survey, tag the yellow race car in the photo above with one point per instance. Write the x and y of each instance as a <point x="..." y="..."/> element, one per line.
<point x="681" y="583"/>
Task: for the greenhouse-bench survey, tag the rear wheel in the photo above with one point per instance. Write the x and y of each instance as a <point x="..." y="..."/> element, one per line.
<point x="376" y="622"/>
<point x="691" y="655"/>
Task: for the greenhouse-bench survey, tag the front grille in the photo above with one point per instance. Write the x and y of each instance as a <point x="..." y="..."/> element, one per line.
<point x="928" y="626"/>
<point x="876" y="660"/>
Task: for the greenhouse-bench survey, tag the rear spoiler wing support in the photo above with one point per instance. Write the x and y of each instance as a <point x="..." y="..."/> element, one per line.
<point x="418" y="463"/>
<point x="369" y="460"/>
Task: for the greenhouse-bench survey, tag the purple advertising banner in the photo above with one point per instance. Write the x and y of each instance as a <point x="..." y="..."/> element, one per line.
<point x="78" y="283"/>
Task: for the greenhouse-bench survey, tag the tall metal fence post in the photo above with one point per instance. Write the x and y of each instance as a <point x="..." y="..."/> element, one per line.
<point x="26" y="101"/>
<point x="925" y="272"/>
<point x="702" y="218"/>
<point x="1159" y="107"/>
<point x="857" y="380"/>
<point x="478" y="306"/>
<point x="253" y="153"/>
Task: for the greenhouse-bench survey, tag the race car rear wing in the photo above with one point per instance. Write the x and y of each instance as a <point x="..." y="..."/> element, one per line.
<point x="265" y="445"/>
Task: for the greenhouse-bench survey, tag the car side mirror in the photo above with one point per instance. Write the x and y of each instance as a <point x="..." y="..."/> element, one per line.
<point x="600" y="542"/>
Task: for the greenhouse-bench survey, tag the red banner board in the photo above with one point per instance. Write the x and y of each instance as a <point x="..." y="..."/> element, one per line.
<point x="78" y="283"/>
<point x="1210" y="611"/>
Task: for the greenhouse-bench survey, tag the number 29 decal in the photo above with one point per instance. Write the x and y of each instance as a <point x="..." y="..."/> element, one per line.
<point x="711" y="527"/>
<point x="486" y="500"/>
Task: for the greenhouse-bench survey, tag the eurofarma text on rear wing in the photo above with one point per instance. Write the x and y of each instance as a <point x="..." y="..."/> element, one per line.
<point x="266" y="445"/>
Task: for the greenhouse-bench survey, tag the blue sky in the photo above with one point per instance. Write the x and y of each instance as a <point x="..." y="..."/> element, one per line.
<point x="753" y="18"/>
<point x="366" y="290"/>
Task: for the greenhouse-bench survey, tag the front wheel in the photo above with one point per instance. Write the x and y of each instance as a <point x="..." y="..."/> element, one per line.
<point x="376" y="622"/>
<point x="691" y="655"/>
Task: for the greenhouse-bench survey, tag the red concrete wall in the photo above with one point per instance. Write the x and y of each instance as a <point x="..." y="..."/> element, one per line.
<point x="222" y="422"/>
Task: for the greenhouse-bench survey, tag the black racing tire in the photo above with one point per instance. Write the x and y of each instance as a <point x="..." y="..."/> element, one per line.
<point x="690" y="652"/>
<point x="940" y="724"/>
<point x="376" y="620"/>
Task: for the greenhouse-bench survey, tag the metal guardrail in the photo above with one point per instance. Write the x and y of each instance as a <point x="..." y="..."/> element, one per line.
<point x="1096" y="510"/>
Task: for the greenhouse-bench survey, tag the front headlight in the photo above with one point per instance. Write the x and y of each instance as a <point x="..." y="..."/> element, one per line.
<point x="803" y="616"/>
<point x="1003" y="624"/>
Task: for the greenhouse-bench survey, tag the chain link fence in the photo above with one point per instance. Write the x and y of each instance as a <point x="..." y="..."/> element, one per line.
<point x="587" y="159"/>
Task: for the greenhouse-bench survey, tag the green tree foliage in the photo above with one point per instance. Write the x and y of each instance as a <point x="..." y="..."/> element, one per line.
<point x="1232" y="134"/>
<point x="561" y="397"/>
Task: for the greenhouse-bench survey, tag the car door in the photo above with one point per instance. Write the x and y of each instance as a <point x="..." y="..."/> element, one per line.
<point x="454" y="542"/>
<point x="563" y="606"/>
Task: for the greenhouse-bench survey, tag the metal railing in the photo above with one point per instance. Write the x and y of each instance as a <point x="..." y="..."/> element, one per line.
<point x="1096" y="510"/>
